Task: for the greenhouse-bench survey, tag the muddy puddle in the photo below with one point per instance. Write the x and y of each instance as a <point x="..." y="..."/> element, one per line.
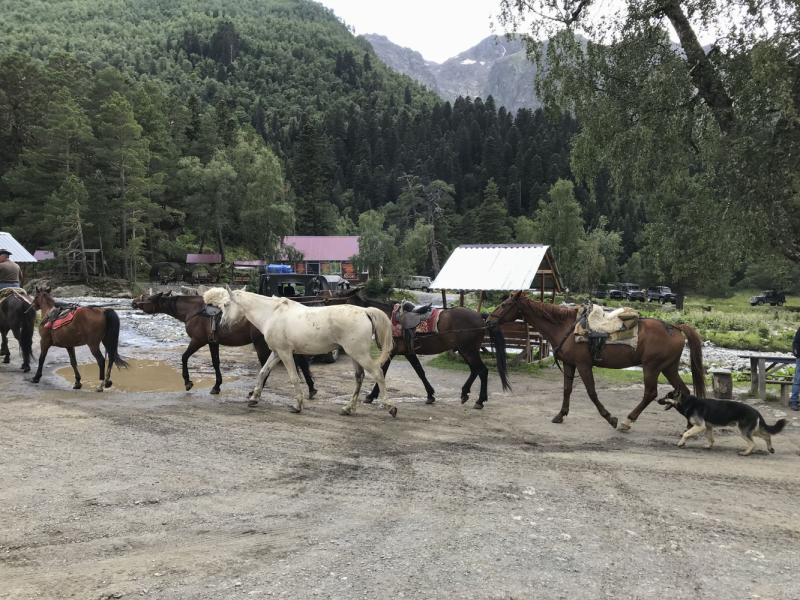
<point x="142" y="376"/>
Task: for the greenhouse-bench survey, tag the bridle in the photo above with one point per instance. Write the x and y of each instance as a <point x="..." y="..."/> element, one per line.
<point x="513" y="304"/>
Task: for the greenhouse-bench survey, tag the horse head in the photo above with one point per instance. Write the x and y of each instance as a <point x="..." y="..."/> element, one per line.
<point x="147" y="303"/>
<point x="507" y="311"/>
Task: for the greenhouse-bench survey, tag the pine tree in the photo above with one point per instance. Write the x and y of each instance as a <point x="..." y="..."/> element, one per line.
<point x="491" y="217"/>
<point x="315" y="215"/>
<point x="64" y="216"/>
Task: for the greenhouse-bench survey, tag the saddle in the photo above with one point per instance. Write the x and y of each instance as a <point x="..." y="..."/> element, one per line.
<point x="61" y="314"/>
<point x="409" y="318"/>
<point x="212" y="312"/>
<point x="599" y="327"/>
<point x="20" y="293"/>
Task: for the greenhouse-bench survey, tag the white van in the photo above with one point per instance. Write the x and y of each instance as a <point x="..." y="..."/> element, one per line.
<point x="419" y="282"/>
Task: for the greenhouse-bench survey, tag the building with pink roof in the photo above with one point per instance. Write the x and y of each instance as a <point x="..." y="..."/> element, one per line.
<point x="325" y="254"/>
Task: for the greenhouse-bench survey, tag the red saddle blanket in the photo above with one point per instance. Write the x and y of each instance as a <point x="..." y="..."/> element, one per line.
<point x="66" y="320"/>
<point x="429" y="325"/>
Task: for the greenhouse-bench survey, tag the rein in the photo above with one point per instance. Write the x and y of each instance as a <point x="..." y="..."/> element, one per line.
<point x="555" y="352"/>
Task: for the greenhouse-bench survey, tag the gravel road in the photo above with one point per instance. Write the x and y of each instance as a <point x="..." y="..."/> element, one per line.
<point x="187" y="495"/>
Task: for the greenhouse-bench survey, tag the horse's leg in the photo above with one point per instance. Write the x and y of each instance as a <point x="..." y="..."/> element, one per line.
<point x="569" y="377"/>
<point x="351" y="406"/>
<point x="588" y="381"/>
<point x="288" y="361"/>
<point x="375" y="390"/>
<point x="473" y="374"/>
<point x="373" y="368"/>
<point x="4" y="351"/>
<point x="478" y="369"/>
<point x="301" y="362"/>
<point x="106" y="383"/>
<point x="650" y="394"/>
<point x="94" y="348"/>
<point x="74" y="362"/>
<point x="255" y="395"/>
<point x="412" y="358"/>
<point x="44" y="346"/>
<point x="193" y="347"/>
<point x="214" y="348"/>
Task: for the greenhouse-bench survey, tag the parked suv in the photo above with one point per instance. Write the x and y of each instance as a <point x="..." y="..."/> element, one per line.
<point x="419" y="282"/>
<point x="632" y="292"/>
<point x="616" y="293"/>
<point x="771" y="297"/>
<point x="600" y="292"/>
<point x="660" y="294"/>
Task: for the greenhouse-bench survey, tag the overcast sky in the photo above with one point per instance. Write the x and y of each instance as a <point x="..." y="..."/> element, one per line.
<point x="438" y="29"/>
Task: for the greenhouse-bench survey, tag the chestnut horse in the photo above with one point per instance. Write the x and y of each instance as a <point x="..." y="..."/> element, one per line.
<point x="90" y="326"/>
<point x="15" y="317"/>
<point x="658" y="351"/>
<point x="187" y="310"/>
<point x="460" y="329"/>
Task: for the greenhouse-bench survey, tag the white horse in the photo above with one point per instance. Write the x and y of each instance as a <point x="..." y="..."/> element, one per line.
<point x="290" y="328"/>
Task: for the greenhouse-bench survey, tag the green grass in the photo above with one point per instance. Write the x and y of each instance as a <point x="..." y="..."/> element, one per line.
<point x="445" y="361"/>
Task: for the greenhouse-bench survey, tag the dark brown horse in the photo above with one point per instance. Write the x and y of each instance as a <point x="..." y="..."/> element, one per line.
<point x="658" y="351"/>
<point x="16" y="318"/>
<point x="460" y="329"/>
<point x="89" y="327"/>
<point x="187" y="310"/>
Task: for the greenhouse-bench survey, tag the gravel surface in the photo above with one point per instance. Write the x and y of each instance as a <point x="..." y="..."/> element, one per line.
<point x="187" y="495"/>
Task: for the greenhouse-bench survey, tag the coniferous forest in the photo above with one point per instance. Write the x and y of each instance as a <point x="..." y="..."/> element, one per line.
<point x="156" y="129"/>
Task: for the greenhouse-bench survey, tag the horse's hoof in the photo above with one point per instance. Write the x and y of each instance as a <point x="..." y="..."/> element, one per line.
<point x="464" y="399"/>
<point x="294" y="409"/>
<point x="25" y="368"/>
<point x="215" y="391"/>
<point x="345" y="412"/>
<point x="252" y="403"/>
<point x="393" y="411"/>
<point x="189" y="385"/>
<point x="613" y="422"/>
<point x="77" y="386"/>
<point x="6" y="360"/>
<point x="478" y="405"/>
<point x="311" y="393"/>
<point x="109" y="383"/>
<point x="771" y="450"/>
<point x="368" y="400"/>
<point x="624" y="426"/>
<point x="430" y="400"/>
<point x="35" y="380"/>
<point x="558" y="419"/>
<point x="99" y="388"/>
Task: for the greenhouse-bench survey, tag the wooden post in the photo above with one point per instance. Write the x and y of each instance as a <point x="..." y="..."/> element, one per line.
<point x="753" y="376"/>
<point x="480" y="300"/>
<point x="461" y="298"/>
<point x="762" y="378"/>
<point x="444" y="299"/>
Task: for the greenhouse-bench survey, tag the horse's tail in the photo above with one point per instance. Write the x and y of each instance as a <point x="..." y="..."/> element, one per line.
<point x="26" y="334"/>
<point x="499" y="344"/>
<point x="696" y="359"/>
<point x="111" y="338"/>
<point x="382" y="328"/>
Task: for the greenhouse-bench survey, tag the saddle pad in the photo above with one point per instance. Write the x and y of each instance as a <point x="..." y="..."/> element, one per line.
<point x="6" y="293"/>
<point x="429" y="325"/>
<point x="65" y="320"/>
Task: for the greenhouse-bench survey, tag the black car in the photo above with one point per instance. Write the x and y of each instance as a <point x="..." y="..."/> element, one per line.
<point x="616" y="293"/>
<point x="601" y="291"/>
<point x="661" y="294"/>
<point x="632" y="292"/>
<point x="771" y="297"/>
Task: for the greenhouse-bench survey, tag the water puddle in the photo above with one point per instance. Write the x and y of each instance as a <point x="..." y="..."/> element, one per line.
<point x="142" y="376"/>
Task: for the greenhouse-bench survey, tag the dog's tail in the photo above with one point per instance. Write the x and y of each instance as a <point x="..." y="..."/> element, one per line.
<point x="771" y="429"/>
<point x="696" y="359"/>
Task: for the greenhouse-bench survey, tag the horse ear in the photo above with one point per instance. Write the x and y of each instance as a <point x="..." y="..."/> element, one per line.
<point x="151" y="291"/>
<point x="169" y="293"/>
<point x="228" y="288"/>
<point x="47" y="290"/>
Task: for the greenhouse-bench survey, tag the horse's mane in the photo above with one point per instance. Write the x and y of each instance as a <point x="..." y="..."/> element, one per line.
<point x="549" y="312"/>
<point x="170" y="303"/>
<point x="388" y="305"/>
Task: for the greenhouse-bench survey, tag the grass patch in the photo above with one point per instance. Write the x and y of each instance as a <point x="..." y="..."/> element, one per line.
<point x="446" y="361"/>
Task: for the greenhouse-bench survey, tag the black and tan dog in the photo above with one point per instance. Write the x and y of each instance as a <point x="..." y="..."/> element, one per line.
<point x="705" y="414"/>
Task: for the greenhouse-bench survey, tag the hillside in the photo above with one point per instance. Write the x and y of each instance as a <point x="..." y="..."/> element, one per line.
<point x="158" y="129"/>
<point x="494" y="67"/>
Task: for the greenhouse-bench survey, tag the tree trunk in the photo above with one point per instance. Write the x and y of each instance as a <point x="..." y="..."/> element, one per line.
<point x="434" y="254"/>
<point x="84" y="268"/>
<point x="123" y="230"/>
<point x="221" y="245"/>
<point x="680" y="295"/>
<point x="202" y="243"/>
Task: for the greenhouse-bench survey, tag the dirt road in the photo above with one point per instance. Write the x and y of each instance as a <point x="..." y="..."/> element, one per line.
<point x="187" y="495"/>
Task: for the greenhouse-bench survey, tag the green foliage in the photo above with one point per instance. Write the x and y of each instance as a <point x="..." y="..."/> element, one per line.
<point x="378" y="253"/>
<point x="491" y="217"/>
<point x="560" y="225"/>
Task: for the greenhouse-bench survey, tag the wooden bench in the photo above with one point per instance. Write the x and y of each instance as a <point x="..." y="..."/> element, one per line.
<point x="241" y="279"/>
<point x="521" y="335"/>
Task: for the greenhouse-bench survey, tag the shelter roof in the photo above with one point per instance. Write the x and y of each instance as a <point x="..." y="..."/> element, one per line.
<point x="43" y="255"/>
<point x="506" y="267"/>
<point x="203" y="259"/>
<point x="324" y="247"/>
<point x="249" y="263"/>
<point x="18" y="252"/>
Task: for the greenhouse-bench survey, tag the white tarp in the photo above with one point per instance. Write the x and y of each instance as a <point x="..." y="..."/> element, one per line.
<point x="18" y="253"/>
<point x="495" y="267"/>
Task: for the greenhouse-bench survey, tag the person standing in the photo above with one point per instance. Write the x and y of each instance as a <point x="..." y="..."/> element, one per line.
<point x="10" y="273"/>
<point x="796" y="382"/>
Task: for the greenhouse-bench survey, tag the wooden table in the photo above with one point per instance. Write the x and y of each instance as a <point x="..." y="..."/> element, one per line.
<point x="760" y="372"/>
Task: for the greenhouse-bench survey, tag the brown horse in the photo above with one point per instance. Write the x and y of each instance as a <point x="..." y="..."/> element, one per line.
<point x="89" y="327"/>
<point x="16" y="318"/>
<point x="658" y="351"/>
<point x="460" y="329"/>
<point x="187" y="310"/>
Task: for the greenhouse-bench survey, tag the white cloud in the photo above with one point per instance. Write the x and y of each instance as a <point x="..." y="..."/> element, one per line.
<point x="438" y="29"/>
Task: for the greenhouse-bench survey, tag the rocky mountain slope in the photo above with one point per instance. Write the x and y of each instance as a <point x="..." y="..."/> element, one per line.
<point x="493" y="67"/>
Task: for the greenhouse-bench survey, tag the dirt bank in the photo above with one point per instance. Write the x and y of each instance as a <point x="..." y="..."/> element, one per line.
<point x="187" y="495"/>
